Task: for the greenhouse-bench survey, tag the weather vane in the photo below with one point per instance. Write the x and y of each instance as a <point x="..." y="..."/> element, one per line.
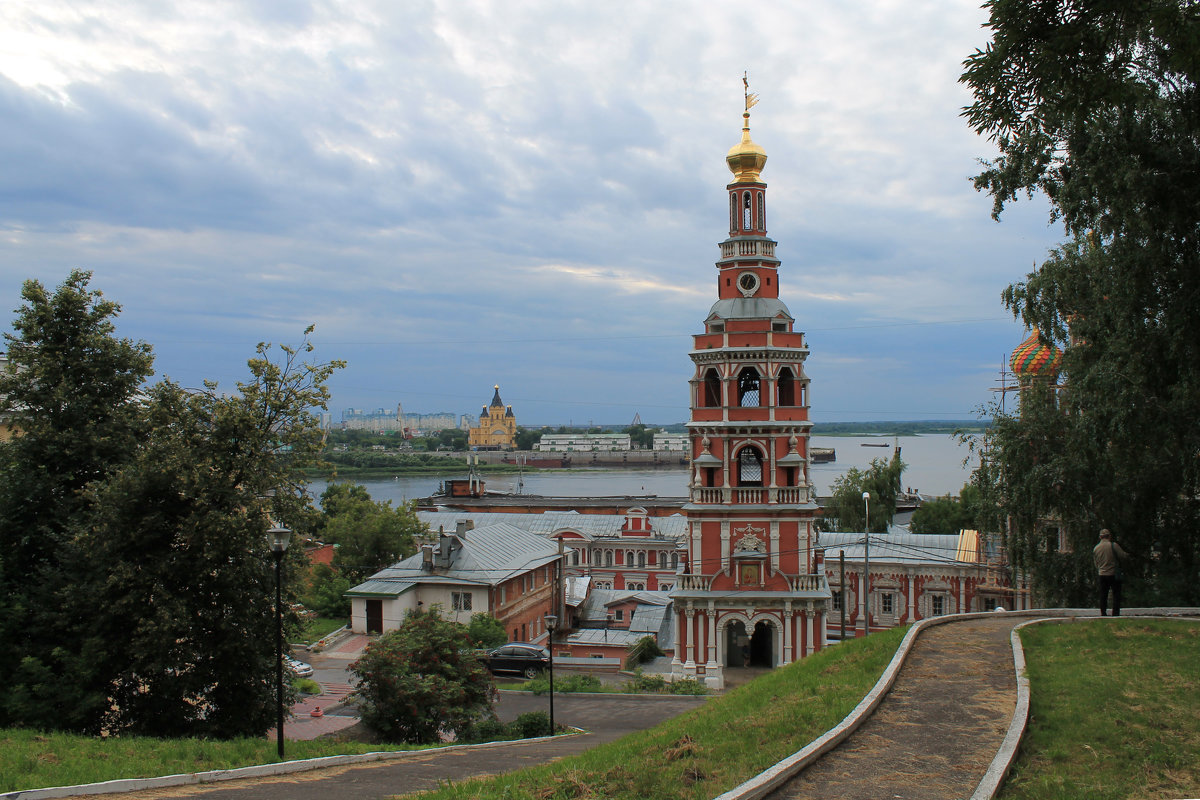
<point x="751" y="98"/>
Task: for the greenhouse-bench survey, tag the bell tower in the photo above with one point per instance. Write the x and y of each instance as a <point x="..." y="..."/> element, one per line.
<point x="752" y="591"/>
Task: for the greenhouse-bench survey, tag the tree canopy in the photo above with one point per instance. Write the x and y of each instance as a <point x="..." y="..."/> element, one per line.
<point x="146" y="606"/>
<point x="370" y="535"/>
<point x="846" y="510"/>
<point x="1095" y="103"/>
<point x="948" y="515"/>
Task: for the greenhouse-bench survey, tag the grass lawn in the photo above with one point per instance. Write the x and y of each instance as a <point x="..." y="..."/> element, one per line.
<point x="33" y="760"/>
<point x="318" y="628"/>
<point x="697" y="755"/>
<point x="705" y="752"/>
<point x="1114" y="711"/>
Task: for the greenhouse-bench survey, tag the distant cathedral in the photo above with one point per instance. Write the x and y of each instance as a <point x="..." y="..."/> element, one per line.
<point x="497" y="428"/>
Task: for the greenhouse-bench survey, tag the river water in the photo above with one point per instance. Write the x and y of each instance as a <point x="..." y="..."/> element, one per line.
<point x="935" y="467"/>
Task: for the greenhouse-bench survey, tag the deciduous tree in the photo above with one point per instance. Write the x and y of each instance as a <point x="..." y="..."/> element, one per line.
<point x="947" y="515"/>
<point x="182" y="588"/>
<point x="846" y="510"/>
<point x="1095" y="104"/>
<point x="370" y="535"/>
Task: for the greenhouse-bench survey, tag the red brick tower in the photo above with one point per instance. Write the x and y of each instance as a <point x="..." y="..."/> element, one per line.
<point x="753" y="592"/>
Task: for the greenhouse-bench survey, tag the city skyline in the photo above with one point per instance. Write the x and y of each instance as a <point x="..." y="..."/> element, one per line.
<point x="459" y="196"/>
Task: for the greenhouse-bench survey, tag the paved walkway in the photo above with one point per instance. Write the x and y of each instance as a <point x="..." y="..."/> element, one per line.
<point x="317" y="715"/>
<point x="937" y="730"/>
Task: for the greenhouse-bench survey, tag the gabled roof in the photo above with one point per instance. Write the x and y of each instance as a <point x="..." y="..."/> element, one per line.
<point x="483" y="557"/>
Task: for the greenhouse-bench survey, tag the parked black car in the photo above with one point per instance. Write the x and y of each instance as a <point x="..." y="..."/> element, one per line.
<point x="521" y="658"/>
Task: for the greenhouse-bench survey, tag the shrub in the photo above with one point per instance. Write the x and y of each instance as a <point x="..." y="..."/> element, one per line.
<point x="644" y="684"/>
<point x="641" y="651"/>
<point x="530" y="724"/>
<point x="486" y="631"/>
<point x="487" y="729"/>
<point x="687" y="686"/>
<point x="422" y="680"/>
<point x="578" y="682"/>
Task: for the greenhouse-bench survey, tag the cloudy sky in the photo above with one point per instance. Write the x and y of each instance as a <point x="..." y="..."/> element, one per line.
<point x="524" y="193"/>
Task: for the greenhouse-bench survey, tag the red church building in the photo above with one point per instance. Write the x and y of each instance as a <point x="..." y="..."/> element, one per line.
<point x="753" y="590"/>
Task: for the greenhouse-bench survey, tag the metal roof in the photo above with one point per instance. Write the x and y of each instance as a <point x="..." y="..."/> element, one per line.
<point x="599" y="525"/>
<point x="612" y="637"/>
<point x="897" y="546"/>
<point x="381" y="587"/>
<point x="483" y="556"/>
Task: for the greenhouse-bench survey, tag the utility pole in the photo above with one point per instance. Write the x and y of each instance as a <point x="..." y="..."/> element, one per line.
<point x="842" y="583"/>
<point x="867" y="565"/>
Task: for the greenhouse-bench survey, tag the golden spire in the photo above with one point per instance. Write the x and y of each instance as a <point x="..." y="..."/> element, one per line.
<point x="746" y="159"/>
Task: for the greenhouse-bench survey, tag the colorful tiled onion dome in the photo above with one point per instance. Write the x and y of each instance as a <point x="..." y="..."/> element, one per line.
<point x="1034" y="358"/>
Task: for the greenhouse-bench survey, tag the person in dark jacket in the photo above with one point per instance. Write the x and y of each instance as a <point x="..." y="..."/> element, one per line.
<point x="1107" y="555"/>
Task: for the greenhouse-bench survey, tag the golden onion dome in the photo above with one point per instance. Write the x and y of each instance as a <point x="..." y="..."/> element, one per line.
<point x="746" y="159"/>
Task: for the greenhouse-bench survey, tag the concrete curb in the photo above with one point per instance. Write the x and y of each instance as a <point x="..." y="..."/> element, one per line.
<point x="772" y="778"/>
<point x="262" y="770"/>
<point x="997" y="771"/>
<point x="640" y="696"/>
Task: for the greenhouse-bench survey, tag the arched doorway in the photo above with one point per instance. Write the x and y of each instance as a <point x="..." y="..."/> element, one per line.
<point x="737" y="644"/>
<point x="762" y="645"/>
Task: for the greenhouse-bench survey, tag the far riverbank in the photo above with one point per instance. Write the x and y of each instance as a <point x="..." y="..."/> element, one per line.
<point x="935" y="467"/>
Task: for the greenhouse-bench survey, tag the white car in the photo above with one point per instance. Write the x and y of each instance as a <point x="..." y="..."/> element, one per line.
<point x="298" y="667"/>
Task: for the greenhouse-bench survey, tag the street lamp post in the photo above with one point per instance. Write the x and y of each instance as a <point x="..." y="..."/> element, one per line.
<point x="551" y="624"/>
<point x="279" y="539"/>
<point x="867" y="563"/>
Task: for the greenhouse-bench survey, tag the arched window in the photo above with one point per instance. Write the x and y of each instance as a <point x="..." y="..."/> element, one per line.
<point x="674" y="560"/>
<point x="750" y="471"/>
<point x="574" y="558"/>
<point x="608" y="558"/>
<point x="749" y="385"/>
<point x="762" y="212"/>
<point x="733" y="213"/>
<point x="787" y="387"/>
<point x="746" y="211"/>
<point x="641" y="559"/>
<point x="711" y="390"/>
<point x="629" y="558"/>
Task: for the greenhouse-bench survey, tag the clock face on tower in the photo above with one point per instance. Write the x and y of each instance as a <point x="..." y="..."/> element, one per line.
<point x="748" y="283"/>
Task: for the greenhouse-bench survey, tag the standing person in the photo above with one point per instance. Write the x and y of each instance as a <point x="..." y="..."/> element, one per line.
<point x="1106" y="555"/>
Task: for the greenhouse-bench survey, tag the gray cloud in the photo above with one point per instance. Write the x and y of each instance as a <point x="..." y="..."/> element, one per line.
<point x="527" y="193"/>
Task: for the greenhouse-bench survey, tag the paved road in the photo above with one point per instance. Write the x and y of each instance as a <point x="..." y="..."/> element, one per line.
<point x="606" y="717"/>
